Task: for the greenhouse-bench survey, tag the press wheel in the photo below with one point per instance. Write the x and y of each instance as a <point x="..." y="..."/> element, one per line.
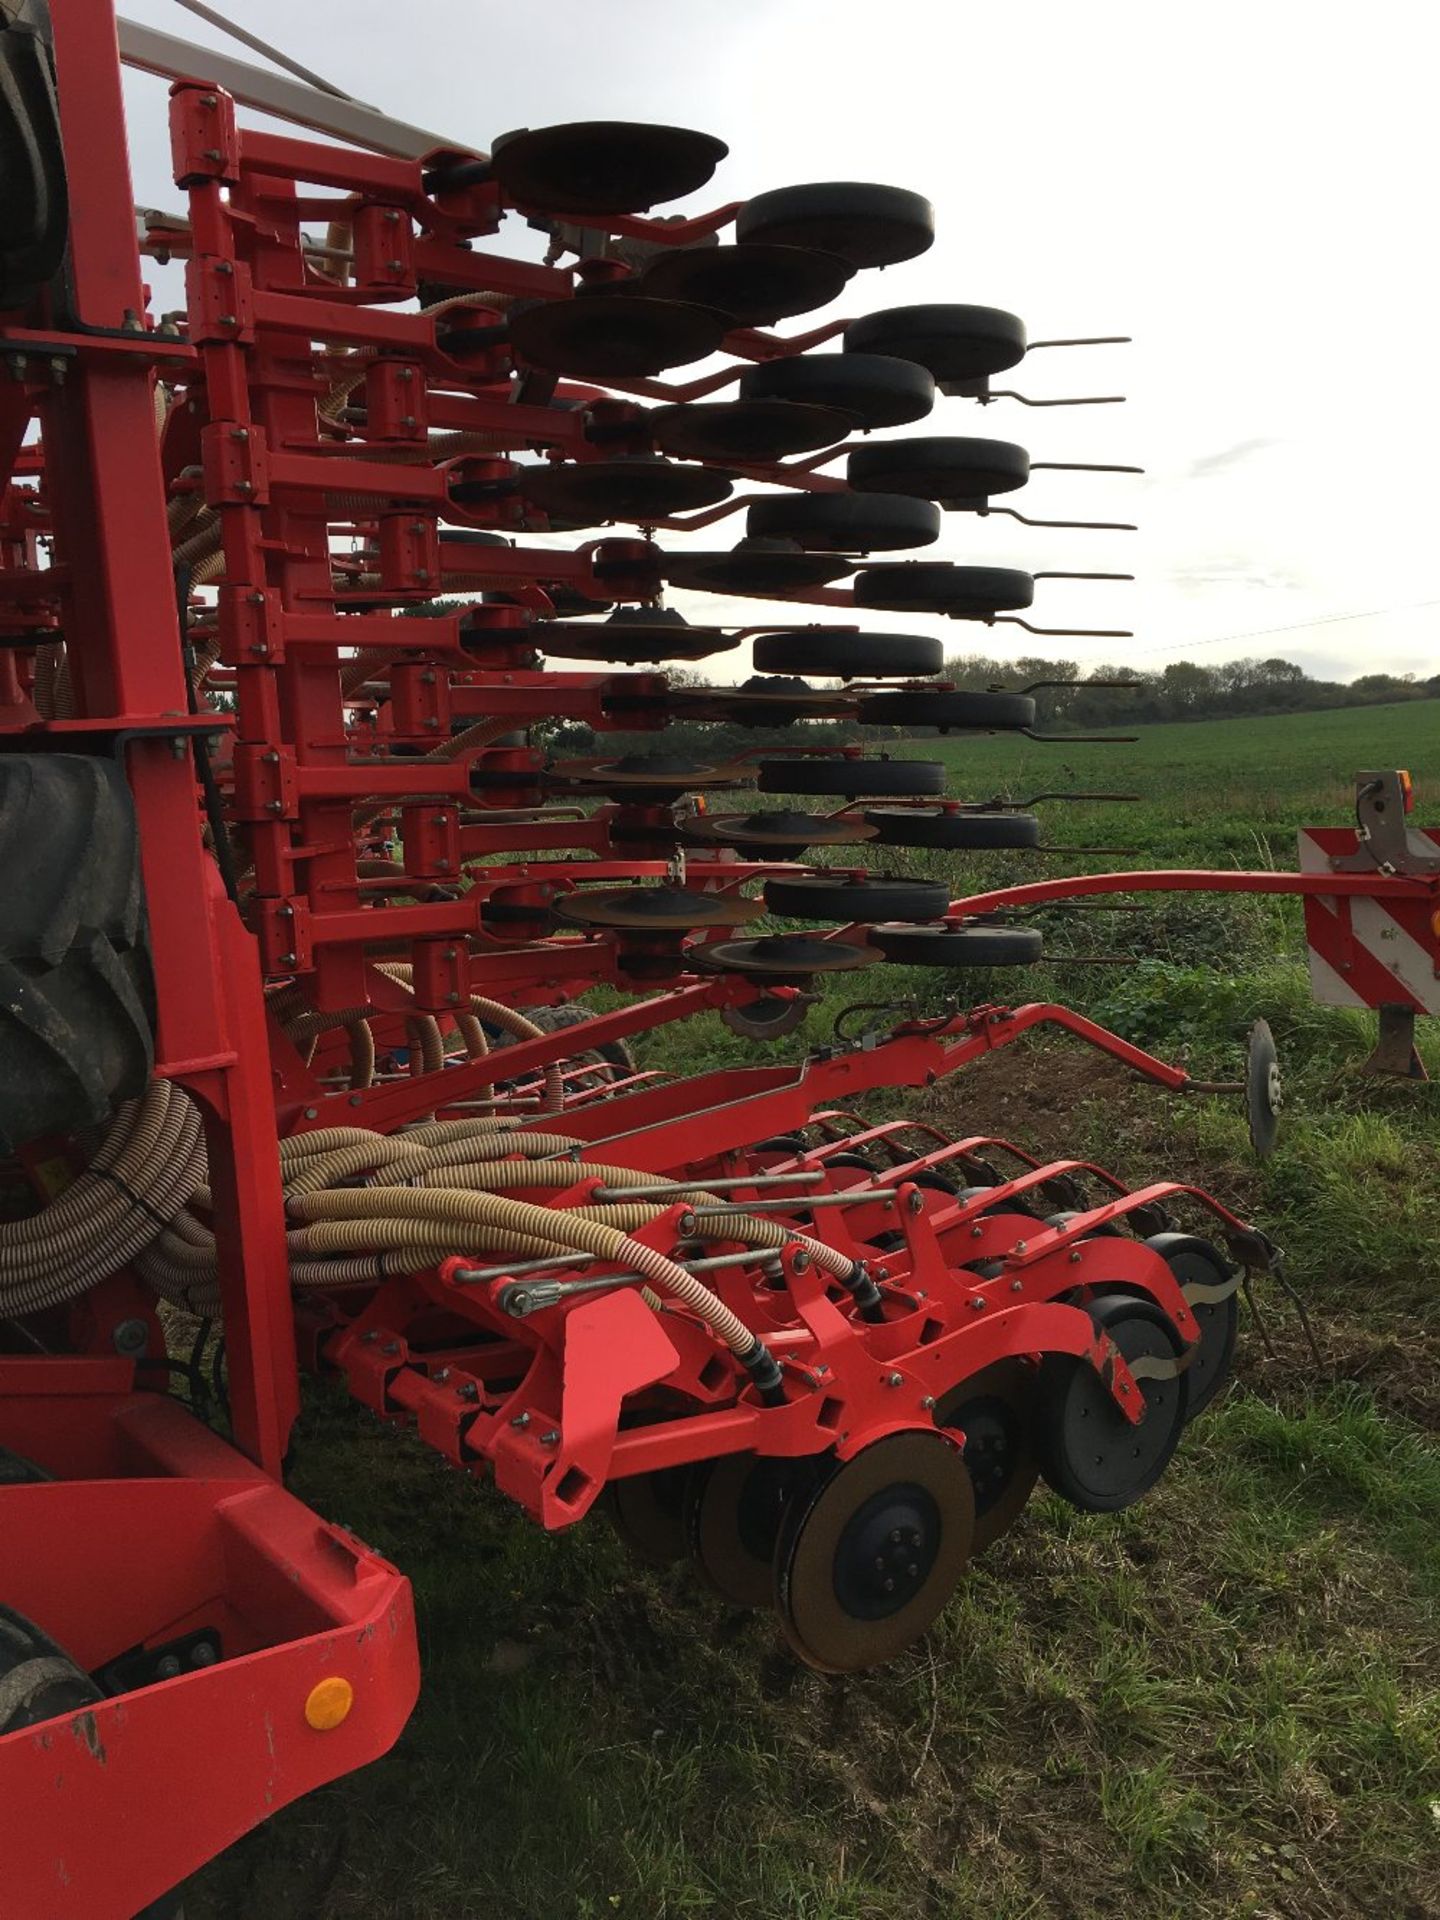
<point x="1089" y="1451"/>
<point x="859" y="656"/>
<point x="936" y="586"/>
<point x="733" y="1511"/>
<point x="995" y="1410"/>
<point x="656" y="909"/>
<point x="1195" y="1262"/>
<point x="754" y="284"/>
<point x="755" y="567"/>
<point x="634" y="487"/>
<point x="645" y="1511"/>
<point x="613" y="336"/>
<point x="602" y="166"/>
<point x="745" y="430"/>
<point x="868" y="1557"/>
<point x="870" y="226"/>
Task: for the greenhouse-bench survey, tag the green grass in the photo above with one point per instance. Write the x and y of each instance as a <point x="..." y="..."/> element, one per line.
<point x="1224" y="1702"/>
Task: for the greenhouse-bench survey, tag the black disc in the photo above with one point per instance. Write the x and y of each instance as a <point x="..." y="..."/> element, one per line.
<point x="613" y="336"/>
<point x="786" y="958"/>
<point x="652" y="779"/>
<point x="869" y="1554"/>
<point x="645" y="1511"/>
<point x="846" y="522"/>
<point x="745" y="430"/>
<point x="634" y="487"/>
<point x="781" y="834"/>
<point x="733" y="1511"/>
<point x="851" y="779"/>
<point x="846" y="656"/>
<point x="934" y="586"/>
<point x="631" y="634"/>
<point x="767" y="1018"/>
<point x="602" y="166"/>
<point x="872" y="390"/>
<point x="814" y="896"/>
<point x="665" y="909"/>
<point x="1195" y="1262"/>
<point x="867" y="225"/>
<point x="1262" y="1089"/>
<point x="754" y="284"/>
<point x="995" y="1410"/>
<point x="936" y="469"/>
<point x="954" y="343"/>
<point x="755" y="567"/>
<point x="958" y="946"/>
<point x="949" y="711"/>
<point x="1089" y="1451"/>
<point x="759" y="701"/>
<point x="939" y="827"/>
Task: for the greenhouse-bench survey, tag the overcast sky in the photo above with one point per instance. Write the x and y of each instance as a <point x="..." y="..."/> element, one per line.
<point x="1248" y="189"/>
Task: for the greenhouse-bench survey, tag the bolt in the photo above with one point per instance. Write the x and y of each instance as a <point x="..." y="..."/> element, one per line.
<point x="372" y="1335"/>
<point x="390" y="216"/>
<point x="894" y="1379"/>
<point x="240" y="433"/>
<point x="271" y="759"/>
<point x="287" y="960"/>
<point x="405" y="373"/>
<point x="441" y="1376"/>
<point x="1074" y="1256"/>
<point x="355" y="1100"/>
<point x="311" y="1113"/>
<point x="801" y="1261"/>
<point x="976" y="1232"/>
<point x="977" y="1305"/>
<point x="928" y="1402"/>
<point x="1124" y="1386"/>
<point x="167" y="1668"/>
<point x="407" y="420"/>
<point x="227" y="320"/>
<point x="1017" y="1286"/>
<point x="469" y="1391"/>
<point x="895" y="1536"/>
<point x="1020" y="1246"/>
<point x="209" y="100"/>
<point x="521" y="1420"/>
<point x="212" y="153"/>
<point x="915" y="1202"/>
<point x="204" y="1655"/>
<point x="130" y="1336"/>
<point x="259" y="646"/>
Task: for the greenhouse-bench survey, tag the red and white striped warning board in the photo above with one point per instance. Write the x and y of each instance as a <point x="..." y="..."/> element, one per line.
<point x="1370" y="953"/>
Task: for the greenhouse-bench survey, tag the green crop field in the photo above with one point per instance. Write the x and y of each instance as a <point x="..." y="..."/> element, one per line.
<point x="1223" y="1702"/>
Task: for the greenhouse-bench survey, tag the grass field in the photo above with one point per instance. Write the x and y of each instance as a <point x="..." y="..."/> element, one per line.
<point x="1223" y="1702"/>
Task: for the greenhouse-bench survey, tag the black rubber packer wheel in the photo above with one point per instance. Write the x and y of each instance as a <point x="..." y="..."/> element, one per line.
<point x="958" y="946"/>
<point x="932" y="468"/>
<point x="38" y="1679"/>
<point x="602" y="166"/>
<point x="954" y="343"/>
<point x="995" y="1410"/>
<point x="754" y="285"/>
<point x="817" y="897"/>
<point x="851" y="778"/>
<point x="861" y="656"/>
<point x="76" y="988"/>
<point x="924" y="707"/>
<point x="846" y="522"/>
<point x="870" y="389"/>
<point x="1089" y="1451"/>
<point x="613" y="336"/>
<point x="755" y="567"/>
<point x="867" y="225"/>
<point x="937" y="827"/>
<point x="935" y="586"/>
<point x="634" y="487"/>
<point x="1194" y="1260"/>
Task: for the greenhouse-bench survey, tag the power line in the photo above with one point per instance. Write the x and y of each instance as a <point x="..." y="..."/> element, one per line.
<point x="1295" y="626"/>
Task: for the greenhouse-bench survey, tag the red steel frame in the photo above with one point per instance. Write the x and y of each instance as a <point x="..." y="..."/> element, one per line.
<point x="150" y="1513"/>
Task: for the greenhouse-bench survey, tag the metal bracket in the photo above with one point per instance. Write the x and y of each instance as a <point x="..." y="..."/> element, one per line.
<point x="1385" y="841"/>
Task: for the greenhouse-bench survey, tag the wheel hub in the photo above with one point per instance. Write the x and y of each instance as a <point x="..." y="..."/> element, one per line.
<point x="885" y="1553"/>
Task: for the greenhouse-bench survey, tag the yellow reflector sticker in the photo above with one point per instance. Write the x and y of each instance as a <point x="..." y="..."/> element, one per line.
<point x="329" y="1703"/>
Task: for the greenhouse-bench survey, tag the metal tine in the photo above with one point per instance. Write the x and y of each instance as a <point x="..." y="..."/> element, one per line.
<point x="1078" y="400"/>
<point x="1123" y="686"/>
<point x="1094" y="739"/>
<point x="1084" y="526"/>
<point x="1036" y="798"/>
<point x="1080" y="466"/>
<point x="1069" y="633"/>
<point x="1097" y="340"/>
<point x="1052" y="574"/>
<point x="852" y="1196"/>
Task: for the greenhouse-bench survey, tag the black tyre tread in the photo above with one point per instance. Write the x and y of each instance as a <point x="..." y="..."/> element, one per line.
<point x="939" y="707"/>
<point x="958" y="946"/>
<point x="846" y="522"/>
<point x="934" y="827"/>
<point x="954" y="343"/>
<point x="67" y="850"/>
<point x="874" y="389"/>
<point x="38" y="1679"/>
<point x="861" y="655"/>
<point x="870" y="226"/>
<point x="560" y="1020"/>
<point x="851" y="779"/>
<point x="935" y="586"/>
<point x="934" y="468"/>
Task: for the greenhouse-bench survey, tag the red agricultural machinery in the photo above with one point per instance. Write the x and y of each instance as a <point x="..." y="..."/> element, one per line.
<point x="299" y="911"/>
